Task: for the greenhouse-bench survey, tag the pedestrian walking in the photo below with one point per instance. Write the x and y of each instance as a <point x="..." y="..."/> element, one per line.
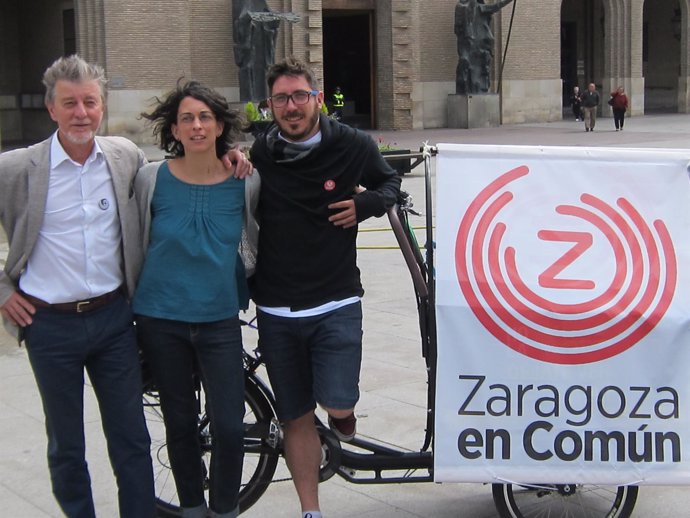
<point x="576" y="103"/>
<point x="590" y="103"/>
<point x="619" y="104"/>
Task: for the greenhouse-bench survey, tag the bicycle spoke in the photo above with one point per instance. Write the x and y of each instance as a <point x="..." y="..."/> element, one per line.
<point x="580" y="501"/>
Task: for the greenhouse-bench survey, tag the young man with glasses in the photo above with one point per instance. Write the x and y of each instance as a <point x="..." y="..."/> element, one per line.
<point x="307" y="285"/>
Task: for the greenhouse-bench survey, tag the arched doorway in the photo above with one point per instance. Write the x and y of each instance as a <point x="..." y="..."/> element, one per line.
<point x="348" y="62"/>
<point x="582" y="45"/>
<point x="661" y="54"/>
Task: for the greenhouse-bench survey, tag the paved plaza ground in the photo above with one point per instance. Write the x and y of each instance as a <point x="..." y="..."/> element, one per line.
<point x="393" y="404"/>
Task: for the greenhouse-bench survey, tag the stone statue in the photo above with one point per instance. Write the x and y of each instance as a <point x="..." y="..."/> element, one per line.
<point x="255" y="29"/>
<point x="475" y="45"/>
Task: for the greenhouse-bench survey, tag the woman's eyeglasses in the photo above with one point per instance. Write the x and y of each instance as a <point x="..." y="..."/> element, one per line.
<point x="188" y="118"/>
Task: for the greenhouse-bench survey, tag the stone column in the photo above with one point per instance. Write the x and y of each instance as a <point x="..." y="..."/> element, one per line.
<point x="304" y="40"/>
<point x="90" y="28"/>
<point x="684" y="77"/>
<point x="395" y="37"/>
<point x="633" y="35"/>
<point x="90" y="20"/>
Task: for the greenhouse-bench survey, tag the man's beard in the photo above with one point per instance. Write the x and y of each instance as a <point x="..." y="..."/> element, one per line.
<point x="296" y="137"/>
<point x="79" y="138"/>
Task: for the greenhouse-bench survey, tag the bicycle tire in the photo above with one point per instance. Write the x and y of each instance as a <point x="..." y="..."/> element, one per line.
<point x="259" y="464"/>
<point x="566" y="500"/>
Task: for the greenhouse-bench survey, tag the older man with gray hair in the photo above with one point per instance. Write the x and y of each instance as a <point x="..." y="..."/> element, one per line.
<point x="71" y="217"/>
<point x="72" y="225"/>
<point x="590" y="103"/>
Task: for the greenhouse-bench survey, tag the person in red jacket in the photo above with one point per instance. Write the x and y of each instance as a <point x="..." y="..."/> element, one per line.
<point x="619" y="103"/>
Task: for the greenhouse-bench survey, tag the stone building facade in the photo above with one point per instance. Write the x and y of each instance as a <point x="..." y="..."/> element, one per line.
<point x="395" y="59"/>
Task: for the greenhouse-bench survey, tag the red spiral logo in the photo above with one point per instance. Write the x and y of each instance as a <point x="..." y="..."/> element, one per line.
<point x="638" y="295"/>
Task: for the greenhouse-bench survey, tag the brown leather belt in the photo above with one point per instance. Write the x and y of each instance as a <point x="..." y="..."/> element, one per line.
<point x="81" y="306"/>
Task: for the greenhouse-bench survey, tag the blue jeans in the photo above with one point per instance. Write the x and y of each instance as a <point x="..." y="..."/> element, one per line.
<point x="60" y="346"/>
<point x="172" y="348"/>
<point x="313" y="359"/>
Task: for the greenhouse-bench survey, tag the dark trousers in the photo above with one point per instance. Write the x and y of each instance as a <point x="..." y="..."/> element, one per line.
<point x="171" y="349"/>
<point x="60" y="346"/>
<point x="577" y="111"/>
<point x="618" y="118"/>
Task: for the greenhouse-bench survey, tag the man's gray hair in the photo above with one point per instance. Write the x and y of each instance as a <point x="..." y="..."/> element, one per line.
<point x="72" y="68"/>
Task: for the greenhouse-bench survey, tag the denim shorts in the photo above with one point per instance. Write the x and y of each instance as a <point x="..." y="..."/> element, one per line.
<point x="313" y="359"/>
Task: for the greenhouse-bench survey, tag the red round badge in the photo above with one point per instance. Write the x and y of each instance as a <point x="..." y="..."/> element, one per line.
<point x="329" y="185"/>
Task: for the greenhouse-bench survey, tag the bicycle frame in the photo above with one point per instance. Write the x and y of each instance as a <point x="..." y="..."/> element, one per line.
<point x="342" y="459"/>
<point x="379" y="460"/>
<point x="365" y="461"/>
<point x="422" y="272"/>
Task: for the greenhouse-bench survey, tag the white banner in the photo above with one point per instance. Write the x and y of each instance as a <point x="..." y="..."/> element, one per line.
<point x="563" y="315"/>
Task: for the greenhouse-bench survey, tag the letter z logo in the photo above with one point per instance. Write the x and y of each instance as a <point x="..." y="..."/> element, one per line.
<point x="553" y="327"/>
<point x="582" y="240"/>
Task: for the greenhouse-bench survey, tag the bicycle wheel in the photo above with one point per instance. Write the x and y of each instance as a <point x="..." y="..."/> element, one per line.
<point x="564" y="500"/>
<point x="260" y="461"/>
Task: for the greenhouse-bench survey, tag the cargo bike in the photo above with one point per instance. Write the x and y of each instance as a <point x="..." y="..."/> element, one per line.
<point x="364" y="461"/>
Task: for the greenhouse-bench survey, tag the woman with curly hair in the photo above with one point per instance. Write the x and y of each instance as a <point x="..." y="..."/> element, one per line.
<point x="191" y="288"/>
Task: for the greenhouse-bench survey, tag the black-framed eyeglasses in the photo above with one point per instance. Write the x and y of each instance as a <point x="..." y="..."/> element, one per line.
<point x="299" y="97"/>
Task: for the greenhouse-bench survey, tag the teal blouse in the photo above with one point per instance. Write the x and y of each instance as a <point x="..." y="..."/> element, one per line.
<point x="192" y="271"/>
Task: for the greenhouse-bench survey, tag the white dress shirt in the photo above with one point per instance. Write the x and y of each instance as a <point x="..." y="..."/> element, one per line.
<point x="78" y="252"/>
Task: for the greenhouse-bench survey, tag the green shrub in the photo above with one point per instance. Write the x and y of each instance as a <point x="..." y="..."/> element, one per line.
<point x="252" y="112"/>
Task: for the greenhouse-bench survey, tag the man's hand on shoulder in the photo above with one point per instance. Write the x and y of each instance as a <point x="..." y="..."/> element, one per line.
<point x="235" y="160"/>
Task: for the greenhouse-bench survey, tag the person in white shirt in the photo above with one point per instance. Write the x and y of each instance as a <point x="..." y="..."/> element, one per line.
<point x="69" y="210"/>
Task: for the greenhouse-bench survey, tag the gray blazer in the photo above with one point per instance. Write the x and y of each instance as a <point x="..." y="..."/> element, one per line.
<point x="24" y="175"/>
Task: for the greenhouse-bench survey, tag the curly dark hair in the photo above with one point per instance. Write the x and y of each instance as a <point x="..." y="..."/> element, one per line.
<point x="165" y="115"/>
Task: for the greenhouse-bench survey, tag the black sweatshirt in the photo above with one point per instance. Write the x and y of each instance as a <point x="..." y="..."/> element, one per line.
<point x="304" y="260"/>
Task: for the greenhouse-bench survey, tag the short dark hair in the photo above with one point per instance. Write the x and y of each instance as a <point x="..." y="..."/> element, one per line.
<point x="291" y="66"/>
<point x="165" y="115"/>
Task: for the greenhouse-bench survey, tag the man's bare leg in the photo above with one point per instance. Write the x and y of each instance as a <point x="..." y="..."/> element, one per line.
<point x="303" y="456"/>
<point x="337" y="413"/>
